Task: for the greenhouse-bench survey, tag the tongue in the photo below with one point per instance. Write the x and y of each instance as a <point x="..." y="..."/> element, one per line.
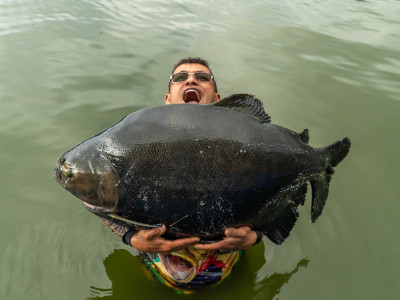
<point x="191" y="96"/>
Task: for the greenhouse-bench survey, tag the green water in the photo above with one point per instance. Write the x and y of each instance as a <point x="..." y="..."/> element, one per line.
<point x="70" y="68"/>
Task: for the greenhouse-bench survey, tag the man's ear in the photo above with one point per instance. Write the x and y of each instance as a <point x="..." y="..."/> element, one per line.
<point x="166" y="99"/>
<point x="217" y="96"/>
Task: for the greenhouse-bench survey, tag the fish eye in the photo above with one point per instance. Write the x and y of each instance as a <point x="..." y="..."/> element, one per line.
<point x="70" y="173"/>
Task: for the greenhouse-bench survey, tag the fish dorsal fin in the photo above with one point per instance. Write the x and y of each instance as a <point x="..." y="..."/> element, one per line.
<point x="247" y="104"/>
<point x="303" y="136"/>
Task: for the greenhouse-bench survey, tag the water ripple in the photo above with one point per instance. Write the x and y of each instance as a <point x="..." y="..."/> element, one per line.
<point x="39" y="271"/>
<point x="71" y="68"/>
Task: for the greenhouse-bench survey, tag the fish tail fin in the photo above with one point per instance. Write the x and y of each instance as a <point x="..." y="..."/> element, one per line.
<point x="338" y="151"/>
<point x="320" y="186"/>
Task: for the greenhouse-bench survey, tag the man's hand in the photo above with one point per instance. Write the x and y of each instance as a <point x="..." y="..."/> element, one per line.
<point x="150" y="241"/>
<point x="235" y="239"/>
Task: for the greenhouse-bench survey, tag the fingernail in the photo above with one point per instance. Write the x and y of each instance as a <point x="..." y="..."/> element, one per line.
<point x="228" y="232"/>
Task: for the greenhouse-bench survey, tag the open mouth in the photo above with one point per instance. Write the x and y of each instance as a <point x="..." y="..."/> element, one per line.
<point x="191" y="96"/>
<point x="178" y="268"/>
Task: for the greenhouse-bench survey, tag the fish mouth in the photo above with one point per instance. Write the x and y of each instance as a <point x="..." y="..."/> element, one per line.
<point x="58" y="175"/>
<point x="62" y="172"/>
<point x="191" y="95"/>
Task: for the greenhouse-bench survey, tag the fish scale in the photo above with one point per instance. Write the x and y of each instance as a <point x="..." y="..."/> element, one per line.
<point x="199" y="169"/>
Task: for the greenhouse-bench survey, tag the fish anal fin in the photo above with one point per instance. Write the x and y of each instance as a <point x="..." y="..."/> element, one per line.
<point x="320" y="189"/>
<point x="300" y="195"/>
<point x="280" y="228"/>
<point x="247" y="104"/>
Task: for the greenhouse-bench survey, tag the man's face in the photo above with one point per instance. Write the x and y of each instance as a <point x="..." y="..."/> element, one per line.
<point x="192" y="90"/>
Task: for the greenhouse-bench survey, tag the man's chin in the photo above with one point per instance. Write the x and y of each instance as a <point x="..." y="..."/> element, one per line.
<point x="188" y="101"/>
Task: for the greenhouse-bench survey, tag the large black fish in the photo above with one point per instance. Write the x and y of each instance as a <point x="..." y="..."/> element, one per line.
<point x="200" y="169"/>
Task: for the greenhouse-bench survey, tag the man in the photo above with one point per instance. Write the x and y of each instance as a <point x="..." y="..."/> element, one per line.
<point x="185" y="264"/>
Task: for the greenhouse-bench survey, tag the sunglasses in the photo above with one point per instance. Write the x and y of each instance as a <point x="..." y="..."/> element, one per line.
<point x="182" y="76"/>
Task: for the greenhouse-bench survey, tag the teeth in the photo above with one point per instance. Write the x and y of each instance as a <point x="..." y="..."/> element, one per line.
<point x="195" y="91"/>
<point x="192" y="90"/>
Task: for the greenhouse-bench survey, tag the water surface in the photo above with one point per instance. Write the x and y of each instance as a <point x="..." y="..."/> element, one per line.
<point x="71" y="68"/>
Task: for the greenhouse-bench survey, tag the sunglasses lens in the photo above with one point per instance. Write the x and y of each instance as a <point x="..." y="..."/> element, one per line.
<point x="182" y="76"/>
<point x="179" y="77"/>
<point x="201" y="76"/>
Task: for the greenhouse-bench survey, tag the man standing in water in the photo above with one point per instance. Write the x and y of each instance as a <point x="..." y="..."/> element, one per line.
<point x="185" y="264"/>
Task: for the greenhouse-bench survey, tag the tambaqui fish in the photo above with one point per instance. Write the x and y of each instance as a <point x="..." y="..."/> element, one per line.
<point x="200" y="169"/>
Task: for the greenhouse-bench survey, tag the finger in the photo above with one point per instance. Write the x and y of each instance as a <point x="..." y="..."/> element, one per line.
<point x="180" y="244"/>
<point x="155" y="232"/>
<point x="237" y="232"/>
<point x="213" y="246"/>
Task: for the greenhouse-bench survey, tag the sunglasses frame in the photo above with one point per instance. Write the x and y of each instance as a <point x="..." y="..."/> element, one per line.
<point x="191" y="73"/>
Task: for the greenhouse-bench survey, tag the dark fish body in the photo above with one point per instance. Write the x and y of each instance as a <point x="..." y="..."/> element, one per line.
<point x="200" y="169"/>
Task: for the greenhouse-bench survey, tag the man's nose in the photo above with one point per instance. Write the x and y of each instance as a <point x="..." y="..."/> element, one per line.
<point x="191" y="79"/>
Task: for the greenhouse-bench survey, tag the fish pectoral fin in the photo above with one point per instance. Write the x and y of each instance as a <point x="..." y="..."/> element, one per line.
<point x="247" y="104"/>
<point x="280" y="228"/>
<point x="320" y="189"/>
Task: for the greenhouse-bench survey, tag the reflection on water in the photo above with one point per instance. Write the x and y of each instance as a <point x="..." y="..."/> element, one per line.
<point x="271" y="285"/>
<point x="130" y="279"/>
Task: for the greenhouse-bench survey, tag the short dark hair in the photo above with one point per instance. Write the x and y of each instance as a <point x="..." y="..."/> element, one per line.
<point x="194" y="60"/>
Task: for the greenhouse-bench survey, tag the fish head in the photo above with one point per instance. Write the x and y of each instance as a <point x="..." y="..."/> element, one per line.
<point x="87" y="172"/>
